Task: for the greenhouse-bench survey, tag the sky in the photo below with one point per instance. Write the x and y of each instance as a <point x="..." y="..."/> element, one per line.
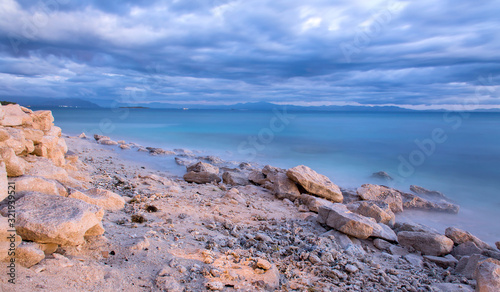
<point x="416" y="54"/>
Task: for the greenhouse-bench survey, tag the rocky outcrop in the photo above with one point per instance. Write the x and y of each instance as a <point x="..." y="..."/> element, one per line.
<point x="5" y="239"/>
<point x="53" y="219"/>
<point x="314" y="183"/>
<point x="14" y="165"/>
<point x="425" y="242"/>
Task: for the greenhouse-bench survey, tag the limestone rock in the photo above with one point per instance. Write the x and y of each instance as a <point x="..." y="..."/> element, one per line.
<point x="29" y="254"/>
<point x="102" y="198"/>
<point x="257" y="177"/>
<point x="426" y="242"/>
<point x="42" y="120"/>
<point x="421" y="191"/>
<point x="201" y="177"/>
<point x="52" y="219"/>
<point x="82" y="136"/>
<point x="460" y="236"/>
<point x="107" y="142"/>
<point x="379" y="211"/>
<point x="235" y="178"/>
<point x="15" y="116"/>
<point x="488" y="277"/>
<point x="340" y="218"/>
<point x="202" y="167"/>
<point x="4" y="135"/>
<point x="411" y="201"/>
<point x="314" y="183"/>
<point x="283" y="187"/>
<point x="43" y="167"/>
<point x="17" y="141"/>
<point x="99" y="137"/>
<point x="497" y="244"/>
<point x="382" y="175"/>
<point x="26" y="183"/>
<point x="34" y="135"/>
<point x="314" y="203"/>
<point x="466" y="249"/>
<point x="444" y="262"/>
<point x="14" y="165"/>
<point x="369" y="192"/>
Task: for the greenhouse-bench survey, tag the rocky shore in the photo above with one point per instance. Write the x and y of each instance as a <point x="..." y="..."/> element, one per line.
<point x="89" y="219"/>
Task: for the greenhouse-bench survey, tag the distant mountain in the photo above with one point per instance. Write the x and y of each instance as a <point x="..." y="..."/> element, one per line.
<point x="53" y="102"/>
<point x="269" y="106"/>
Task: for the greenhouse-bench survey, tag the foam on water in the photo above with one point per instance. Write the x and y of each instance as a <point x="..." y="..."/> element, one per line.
<point x="347" y="147"/>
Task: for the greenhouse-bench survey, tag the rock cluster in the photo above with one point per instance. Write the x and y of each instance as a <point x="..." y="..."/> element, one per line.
<point x="54" y="205"/>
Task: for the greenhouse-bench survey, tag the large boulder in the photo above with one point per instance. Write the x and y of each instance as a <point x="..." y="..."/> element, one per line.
<point x="15" y="116"/>
<point x="369" y="192"/>
<point x="34" y="135"/>
<point x="425" y="242"/>
<point x="379" y="211"/>
<point x="43" y="167"/>
<point x="338" y="217"/>
<point x="460" y="236"/>
<point x="102" y="198"/>
<point x="202" y="177"/>
<point x="14" y="165"/>
<point x="235" y="178"/>
<point x="202" y="167"/>
<point x="26" y="184"/>
<point x="315" y="183"/>
<point x="488" y="277"/>
<point x="52" y="219"/>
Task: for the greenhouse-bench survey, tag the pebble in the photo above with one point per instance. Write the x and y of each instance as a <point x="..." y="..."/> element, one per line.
<point x="263" y="264"/>
<point x="351" y="268"/>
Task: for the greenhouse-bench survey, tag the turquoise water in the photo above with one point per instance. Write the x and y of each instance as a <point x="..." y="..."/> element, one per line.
<point x="455" y="153"/>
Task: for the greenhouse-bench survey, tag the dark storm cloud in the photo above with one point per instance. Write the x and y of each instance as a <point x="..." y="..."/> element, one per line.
<point x="384" y="52"/>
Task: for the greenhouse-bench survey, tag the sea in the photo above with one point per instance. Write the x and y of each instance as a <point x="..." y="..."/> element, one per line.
<point x="456" y="153"/>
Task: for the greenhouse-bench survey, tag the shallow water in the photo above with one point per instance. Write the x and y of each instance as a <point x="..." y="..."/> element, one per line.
<point x="455" y="153"/>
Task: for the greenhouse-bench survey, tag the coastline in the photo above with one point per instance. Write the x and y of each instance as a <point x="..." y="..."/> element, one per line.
<point x="250" y="232"/>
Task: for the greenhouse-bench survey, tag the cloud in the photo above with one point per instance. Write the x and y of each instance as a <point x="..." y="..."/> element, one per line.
<point x="388" y="52"/>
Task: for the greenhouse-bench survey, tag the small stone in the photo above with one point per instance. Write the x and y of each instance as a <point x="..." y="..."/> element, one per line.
<point x="29" y="254"/>
<point x="215" y="286"/>
<point x="314" y="259"/>
<point x="497" y="244"/>
<point x="263" y="237"/>
<point x="141" y="244"/>
<point x="351" y="268"/>
<point x="264" y="264"/>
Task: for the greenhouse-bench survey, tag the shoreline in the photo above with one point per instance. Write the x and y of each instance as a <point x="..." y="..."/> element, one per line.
<point x="241" y="227"/>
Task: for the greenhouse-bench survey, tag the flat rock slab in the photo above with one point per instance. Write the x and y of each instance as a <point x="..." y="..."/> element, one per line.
<point x="315" y="183"/>
<point x="460" y="236"/>
<point x="52" y="219"/>
<point x="202" y="177"/>
<point x="102" y="198"/>
<point x="337" y="216"/>
<point x="425" y="242"/>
